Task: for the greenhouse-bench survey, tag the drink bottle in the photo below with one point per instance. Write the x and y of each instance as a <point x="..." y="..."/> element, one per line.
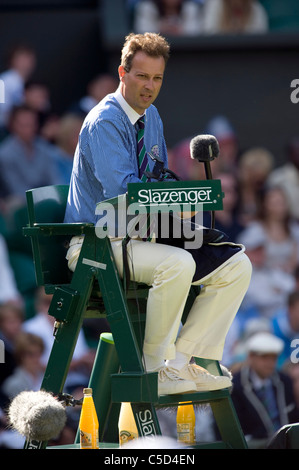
<point x="185" y="423"/>
<point x="127" y="429"/>
<point x="88" y="423"/>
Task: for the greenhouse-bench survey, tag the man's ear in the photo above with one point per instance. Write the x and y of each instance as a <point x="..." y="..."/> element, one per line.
<point x="121" y="72"/>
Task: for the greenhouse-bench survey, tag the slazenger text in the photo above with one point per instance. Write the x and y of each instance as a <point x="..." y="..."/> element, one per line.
<point x="170" y="196"/>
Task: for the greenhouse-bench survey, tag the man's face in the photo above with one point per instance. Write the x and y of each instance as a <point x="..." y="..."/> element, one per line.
<point x="141" y="85"/>
<point x="25" y="126"/>
<point x="263" y="364"/>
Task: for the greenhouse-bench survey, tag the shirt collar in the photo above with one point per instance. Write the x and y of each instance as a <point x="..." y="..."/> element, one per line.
<point x="257" y="381"/>
<point x="130" y="112"/>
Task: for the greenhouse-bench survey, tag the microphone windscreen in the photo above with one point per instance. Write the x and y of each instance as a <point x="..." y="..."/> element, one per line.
<point x="37" y="416"/>
<point x="204" y="148"/>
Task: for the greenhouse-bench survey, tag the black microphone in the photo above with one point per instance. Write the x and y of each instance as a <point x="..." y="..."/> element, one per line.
<point x="204" y="148"/>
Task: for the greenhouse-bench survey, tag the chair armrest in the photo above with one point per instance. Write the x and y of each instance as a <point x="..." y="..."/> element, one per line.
<point x="58" y="229"/>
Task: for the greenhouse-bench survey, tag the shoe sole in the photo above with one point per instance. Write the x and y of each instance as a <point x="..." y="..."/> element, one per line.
<point x="178" y="392"/>
<point x="212" y="387"/>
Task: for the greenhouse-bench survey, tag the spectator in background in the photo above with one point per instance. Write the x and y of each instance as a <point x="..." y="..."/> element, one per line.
<point x="11" y="319"/>
<point x="287" y="176"/>
<point x="26" y="160"/>
<point x="28" y="373"/>
<point x="222" y="129"/>
<point x="228" y="219"/>
<point x="168" y="17"/>
<point x="285" y="325"/>
<point x="42" y="325"/>
<point x="97" y="89"/>
<point x="269" y="287"/>
<point x="296" y="276"/>
<point x="263" y="396"/>
<point x="254" y="167"/>
<point x="280" y="230"/>
<point x="37" y="97"/>
<point x="179" y="161"/>
<point x="21" y="64"/>
<point x="8" y="286"/>
<point x="292" y="370"/>
<point x="65" y="145"/>
<point x="234" y="17"/>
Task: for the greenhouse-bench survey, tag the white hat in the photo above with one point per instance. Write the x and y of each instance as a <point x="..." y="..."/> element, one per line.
<point x="264" y="343"/>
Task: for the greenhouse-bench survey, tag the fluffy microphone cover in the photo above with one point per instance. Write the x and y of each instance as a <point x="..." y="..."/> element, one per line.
<point x="204" y="148"/>
<point x="37" y="416"/>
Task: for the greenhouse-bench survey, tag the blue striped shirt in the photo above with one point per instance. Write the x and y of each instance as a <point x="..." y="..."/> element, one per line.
<point x="105" y="160"/>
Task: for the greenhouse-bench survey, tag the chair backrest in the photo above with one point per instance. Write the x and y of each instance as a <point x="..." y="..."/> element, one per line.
<point x="47" y="205"/>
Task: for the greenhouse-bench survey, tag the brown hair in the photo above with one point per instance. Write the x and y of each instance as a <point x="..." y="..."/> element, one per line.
<point x="24" y="342"/>
<point x="152" y="44"/>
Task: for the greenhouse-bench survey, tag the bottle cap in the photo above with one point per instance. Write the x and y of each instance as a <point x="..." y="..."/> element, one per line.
<point x="87" y="391"/>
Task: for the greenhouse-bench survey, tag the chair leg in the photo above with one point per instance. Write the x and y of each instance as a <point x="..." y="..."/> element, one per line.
<point x="106" y="363"/>
<point x="228" y="423"/>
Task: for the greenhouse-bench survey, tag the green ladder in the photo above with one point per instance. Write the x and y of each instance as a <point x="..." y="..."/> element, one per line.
<point x="95" y="290"/>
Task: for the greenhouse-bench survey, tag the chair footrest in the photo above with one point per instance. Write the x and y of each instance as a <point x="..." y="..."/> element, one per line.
<point x="194" y="397"/>
<point x="143" y="387"/>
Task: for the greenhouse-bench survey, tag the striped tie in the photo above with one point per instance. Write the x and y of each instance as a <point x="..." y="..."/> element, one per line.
<point x="146" y="227"/>
<point x="141" y="151"/>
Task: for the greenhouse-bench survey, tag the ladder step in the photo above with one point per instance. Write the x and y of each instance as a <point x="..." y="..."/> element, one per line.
<point x="141" y="387"/>
<point x="195" y="397"/>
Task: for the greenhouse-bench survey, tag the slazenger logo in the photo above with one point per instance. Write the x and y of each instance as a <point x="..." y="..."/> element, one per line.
<point x="170" y="196"/>
<point x="146" y="423"/>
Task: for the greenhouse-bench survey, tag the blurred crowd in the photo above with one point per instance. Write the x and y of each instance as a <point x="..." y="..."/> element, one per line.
<point x="210" y="17"/>
<point x="260" y="210"/>
<point x="194" y="17"/>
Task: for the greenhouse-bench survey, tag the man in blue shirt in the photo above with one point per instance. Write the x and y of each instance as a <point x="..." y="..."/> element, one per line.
<point x="105" y="162"/>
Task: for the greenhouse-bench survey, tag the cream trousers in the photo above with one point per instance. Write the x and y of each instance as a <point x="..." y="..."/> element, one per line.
<point x="169" y="270"/>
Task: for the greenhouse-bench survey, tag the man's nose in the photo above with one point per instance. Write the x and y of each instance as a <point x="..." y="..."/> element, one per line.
<point x="149" y="84"/>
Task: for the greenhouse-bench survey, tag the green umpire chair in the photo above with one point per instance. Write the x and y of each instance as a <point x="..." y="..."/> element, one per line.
<point x="95" y="290"/>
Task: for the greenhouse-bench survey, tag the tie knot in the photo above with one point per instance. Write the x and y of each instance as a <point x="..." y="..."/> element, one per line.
<point x="141" y="122"/>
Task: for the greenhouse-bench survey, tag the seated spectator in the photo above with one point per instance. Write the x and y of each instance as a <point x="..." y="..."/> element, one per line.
<point x="25" y="159"/>
<point x="21" y="64"/>
<point x="287" y="176"/>
<point x="292" y="370"/>
<point x="42" y="325"/>
<point x="97" y="89"/>
<point x="168" y="17"/>
<point x="269" y="286"/>
<point x="37" y="97"/>
<point x="65" y="145"/>
<point x="8" y="286"/>
<point x="221" y="127"/>
<point x="296" y="276"/>
<point x="285" y="325"/>
<point x="280" y="230"/>
<point x="180" y="161"/>
<point x="11" y="319"/>
<point x="263" y="396"/>
<point x="227" y="220"/>
<point x="234" y="17"/>
<point x="28" y="373"/>
<point x="253" y="169"/>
